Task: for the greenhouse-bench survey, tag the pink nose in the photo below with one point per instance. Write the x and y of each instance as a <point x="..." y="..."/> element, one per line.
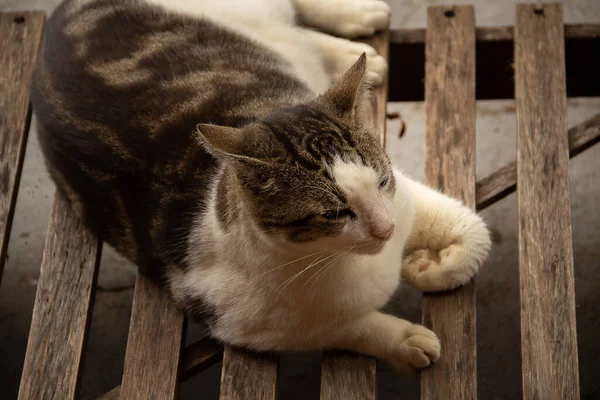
<point x="383" y="232"/>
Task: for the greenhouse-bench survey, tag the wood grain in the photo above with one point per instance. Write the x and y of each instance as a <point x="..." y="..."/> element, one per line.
<point x="346" y="376"/>
<point x="378" y="112"/>
<point x="20" y="37"/>
<point x="152" y="358"/>
<point x="248" y="375"/>
<point x="494" y="33"/>
<point x="450" y="167"/>
<point x="62" y="310"/>
<point x="503" y="182"/>
<point x="548" y="329"/>
<point x="197" y="357"/>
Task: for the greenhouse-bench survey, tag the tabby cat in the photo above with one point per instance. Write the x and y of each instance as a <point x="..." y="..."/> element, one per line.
<point x="222" y="147"/>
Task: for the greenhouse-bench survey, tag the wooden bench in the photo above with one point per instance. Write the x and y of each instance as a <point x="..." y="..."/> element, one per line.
<point x="444" y="53"/>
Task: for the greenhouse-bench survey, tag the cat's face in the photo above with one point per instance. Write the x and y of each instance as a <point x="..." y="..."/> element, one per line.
<point x="313" y="176"/>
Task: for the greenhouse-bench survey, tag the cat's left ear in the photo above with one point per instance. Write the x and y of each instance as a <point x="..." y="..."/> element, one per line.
<point x="227" y="141"/>
<point x="349" y="94"/>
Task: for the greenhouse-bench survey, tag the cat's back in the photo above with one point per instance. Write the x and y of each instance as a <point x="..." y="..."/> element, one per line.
<point x="136" y="67"/>
<point x="118" y="90"/>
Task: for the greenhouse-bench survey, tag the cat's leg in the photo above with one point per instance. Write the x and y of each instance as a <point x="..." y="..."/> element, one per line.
<point x="346" y="18"/>
<point x="448" y="242"/>
<point x="405" y="346"/>
<point x="340" y="54"/>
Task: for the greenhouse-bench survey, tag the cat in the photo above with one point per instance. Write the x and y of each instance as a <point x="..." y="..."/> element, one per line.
<point x="222" y="147"/>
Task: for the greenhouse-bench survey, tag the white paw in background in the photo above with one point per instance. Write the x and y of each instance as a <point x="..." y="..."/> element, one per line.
<point x="356" y="18"/>
<point x="346" y="18"/>
<point x="346" y="54"/>
<point x="418" y="350"/>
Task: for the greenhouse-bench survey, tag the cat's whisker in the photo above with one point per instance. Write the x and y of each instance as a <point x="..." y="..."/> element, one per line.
<point x="320" y="269"/>
<point x="291" y="262"/>
<point x="288" y="281"/>
<point x="331" y="264"/>
<point x="417" y="161"/>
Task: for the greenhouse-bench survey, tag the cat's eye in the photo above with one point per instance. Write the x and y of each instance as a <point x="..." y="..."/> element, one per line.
<point x="383" y="182"/>
<point x="337" y="214"/>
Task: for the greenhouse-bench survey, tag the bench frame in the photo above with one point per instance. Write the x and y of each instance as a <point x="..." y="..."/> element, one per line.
<point x="445" y="55"/>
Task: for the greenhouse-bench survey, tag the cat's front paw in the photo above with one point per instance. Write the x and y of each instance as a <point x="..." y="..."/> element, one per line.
<point x="418" y="350"/>
<point x="432" y="271"/>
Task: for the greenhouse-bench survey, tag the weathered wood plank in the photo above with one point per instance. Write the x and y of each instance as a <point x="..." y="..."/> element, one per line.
<point x="197" y="357"/>
<point x="494" y="33"/>
<point x="378" y="111"/>
<point x="20" y="37"/>
<point x="152" y="358"/>
<point x="548" y="329"/>
<point x="503" y="182"/>
<point x="62" y="309"/>
<point x="248" y="375"/>
<point x="350" y="376"/>
<point x="450" y="166"/>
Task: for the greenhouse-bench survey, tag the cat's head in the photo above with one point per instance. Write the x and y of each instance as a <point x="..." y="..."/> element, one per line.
<point x="313" y="176"/>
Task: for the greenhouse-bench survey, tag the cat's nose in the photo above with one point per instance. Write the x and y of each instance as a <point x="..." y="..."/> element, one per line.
<point x="383" y="231"/>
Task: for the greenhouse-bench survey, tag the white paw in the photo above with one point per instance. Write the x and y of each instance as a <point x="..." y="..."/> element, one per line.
<point x="348" y="52"/>
<point x="358" y="18"/>
<point x="418" y="350"/>
<point x="457" y="264"/>
<point x="345" y="18"/>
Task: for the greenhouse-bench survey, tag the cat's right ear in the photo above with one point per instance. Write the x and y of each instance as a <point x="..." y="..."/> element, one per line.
<point x="227" y="141"/>
<point x="349" y="93"/>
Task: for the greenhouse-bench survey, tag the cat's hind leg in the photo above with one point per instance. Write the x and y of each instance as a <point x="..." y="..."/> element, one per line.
<point x="345" y="18"/>
<point x="340" y="54"/>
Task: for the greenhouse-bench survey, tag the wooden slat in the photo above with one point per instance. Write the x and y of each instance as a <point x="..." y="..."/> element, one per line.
<point x="494" y="33"/>
<point x="20" y="37"/>
<point x="450" y="167"/>
<point x="378" y="113"/>
<point x="350" y="376"/>
<point x="154" y="345"/>
<point x="548" y="330"/>
<point x="503" y="182"/>
<point x="197" y="357"/>
<point x="248" y="375"/>
<point x="62" y="309"/>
